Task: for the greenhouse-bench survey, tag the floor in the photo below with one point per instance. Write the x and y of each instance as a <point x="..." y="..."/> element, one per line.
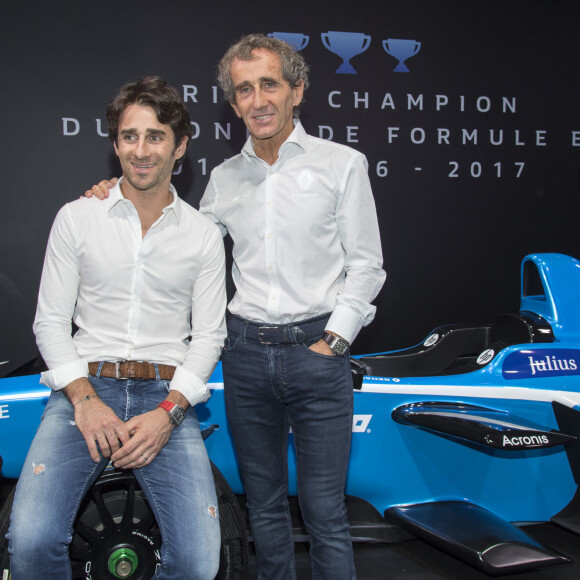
<point x="416" y="560"/>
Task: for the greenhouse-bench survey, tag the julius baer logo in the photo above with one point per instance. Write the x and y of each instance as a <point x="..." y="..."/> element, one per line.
<point x="541" y="363"/>
<point x="550" y="364"/>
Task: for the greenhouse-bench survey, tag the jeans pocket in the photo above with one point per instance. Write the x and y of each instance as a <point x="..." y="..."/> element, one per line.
<point x="307" y="348"/>
<point x="231" y="342"/>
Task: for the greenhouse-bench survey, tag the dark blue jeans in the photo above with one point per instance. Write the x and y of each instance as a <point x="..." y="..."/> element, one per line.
<point x="269" y="388"/>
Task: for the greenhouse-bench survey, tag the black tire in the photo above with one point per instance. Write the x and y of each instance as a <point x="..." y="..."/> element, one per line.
<point x="234" y="549"/>
<point x="116" y="535"/>
<point x="4" y="523"/>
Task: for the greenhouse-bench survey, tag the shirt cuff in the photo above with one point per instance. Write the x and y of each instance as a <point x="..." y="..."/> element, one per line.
<point x="345" y="323"/>
<point x="190" y="386"/>
<point x="60" y="377"/>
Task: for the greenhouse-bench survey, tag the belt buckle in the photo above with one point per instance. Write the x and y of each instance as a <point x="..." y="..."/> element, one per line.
<point x="261" y="330"/>
<point x="118" y="371"/>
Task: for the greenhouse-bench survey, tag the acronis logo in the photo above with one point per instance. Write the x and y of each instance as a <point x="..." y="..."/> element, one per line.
<point x="527" y="441"/>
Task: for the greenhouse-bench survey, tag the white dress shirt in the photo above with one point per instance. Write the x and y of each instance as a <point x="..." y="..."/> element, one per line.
<point x="158" y="298"/>
<point x="305" y="233"/>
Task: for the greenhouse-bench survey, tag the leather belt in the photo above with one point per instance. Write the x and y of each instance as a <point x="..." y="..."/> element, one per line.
<point x="132" y="370"/>
<point x="279" y="333"/>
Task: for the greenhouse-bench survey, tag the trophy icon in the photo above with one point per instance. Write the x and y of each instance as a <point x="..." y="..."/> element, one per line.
<point x="296" y="40"/>
<point x="401" y="49"/>
<point x="346" y="45"/>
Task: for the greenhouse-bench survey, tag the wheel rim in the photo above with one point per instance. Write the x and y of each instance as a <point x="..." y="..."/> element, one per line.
<point x="115" y="533"/>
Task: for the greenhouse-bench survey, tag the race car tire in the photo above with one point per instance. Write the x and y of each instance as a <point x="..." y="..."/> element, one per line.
<point x="234" y="547"/>
<point x="116" y="535"/>
<point x="4" y="523"/>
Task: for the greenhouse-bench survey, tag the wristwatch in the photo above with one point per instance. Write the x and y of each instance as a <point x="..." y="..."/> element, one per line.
<point x="175" y="412"/>
<point x="337" y="345"/>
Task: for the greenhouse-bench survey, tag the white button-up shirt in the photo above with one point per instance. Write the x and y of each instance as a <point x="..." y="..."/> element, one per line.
<point x="158" y="298"/>
<point x="305" y="233"/>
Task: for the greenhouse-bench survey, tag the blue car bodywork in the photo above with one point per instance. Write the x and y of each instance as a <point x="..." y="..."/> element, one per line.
<point x="454" y="440"/>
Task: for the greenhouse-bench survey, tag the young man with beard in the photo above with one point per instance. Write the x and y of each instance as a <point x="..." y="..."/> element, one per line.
<point x="142" y="276"/>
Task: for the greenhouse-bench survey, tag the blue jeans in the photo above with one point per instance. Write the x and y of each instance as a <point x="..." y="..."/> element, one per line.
<point x="269" y="388"/>
<point x="58" y="471"/>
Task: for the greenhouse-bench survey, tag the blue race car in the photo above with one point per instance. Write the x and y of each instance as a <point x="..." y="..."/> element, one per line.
<point x="459" y="440"/>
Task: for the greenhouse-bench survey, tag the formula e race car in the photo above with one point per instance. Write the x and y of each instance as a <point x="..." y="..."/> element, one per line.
<point x="459" y="441"/>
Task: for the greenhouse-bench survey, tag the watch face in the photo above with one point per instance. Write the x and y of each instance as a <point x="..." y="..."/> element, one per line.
<point x="339" y="347"/>
<point x="177" y="414"/>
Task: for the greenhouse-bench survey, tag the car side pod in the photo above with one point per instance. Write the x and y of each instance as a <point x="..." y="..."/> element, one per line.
<point x="483" y="426"/>
<point x="474" y="535"/>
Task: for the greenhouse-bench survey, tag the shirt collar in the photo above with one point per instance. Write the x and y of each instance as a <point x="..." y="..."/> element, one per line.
<point x="116" y="196"/>
<point x="298" y="138"/>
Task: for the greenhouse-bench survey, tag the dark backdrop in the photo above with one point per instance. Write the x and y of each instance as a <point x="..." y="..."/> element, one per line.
<point x="473" y="153"/>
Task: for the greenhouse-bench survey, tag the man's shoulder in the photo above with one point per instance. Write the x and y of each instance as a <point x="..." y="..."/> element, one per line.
<point x="231" y="164"/>
<point x="82" y="207"/>
<point x="318" y="144"/>
<point x="190" y="215"/>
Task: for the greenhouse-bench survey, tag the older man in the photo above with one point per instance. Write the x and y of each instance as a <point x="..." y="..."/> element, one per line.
<point x="307" y="264"/>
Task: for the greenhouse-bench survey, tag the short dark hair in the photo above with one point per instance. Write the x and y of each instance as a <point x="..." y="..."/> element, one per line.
<point x="294" y="67"/>
<point x="154" y="92"/>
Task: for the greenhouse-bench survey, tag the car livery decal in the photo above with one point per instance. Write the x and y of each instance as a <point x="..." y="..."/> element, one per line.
<point x="360" y="423"/>
<point x="541" y="363"/>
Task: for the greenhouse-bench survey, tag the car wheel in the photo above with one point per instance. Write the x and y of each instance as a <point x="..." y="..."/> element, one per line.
<point x="234" y="548"/>
<point x="116" y="535"/>
<point x="4" y="522"/>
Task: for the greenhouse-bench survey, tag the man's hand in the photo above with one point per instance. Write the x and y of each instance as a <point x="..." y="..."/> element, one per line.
<point x="102" y="189"/>
<point x="149" y="433"/>
<point x="321" y="347"/>
<point x="97" y="422"/>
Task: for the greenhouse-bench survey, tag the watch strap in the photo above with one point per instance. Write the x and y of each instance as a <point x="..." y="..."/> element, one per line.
<point x="175" y="412"/>
<point x="337" y="344"/>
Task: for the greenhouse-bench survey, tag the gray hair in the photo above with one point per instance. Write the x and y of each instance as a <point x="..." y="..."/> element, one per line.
<point x="294" y="68"/>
